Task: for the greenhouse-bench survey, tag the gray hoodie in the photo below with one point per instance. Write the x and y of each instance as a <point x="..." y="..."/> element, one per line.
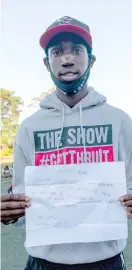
<point x="91" y="131"/>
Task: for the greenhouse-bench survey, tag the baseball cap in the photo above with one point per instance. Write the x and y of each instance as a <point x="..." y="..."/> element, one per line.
<point x="66" y="24"/>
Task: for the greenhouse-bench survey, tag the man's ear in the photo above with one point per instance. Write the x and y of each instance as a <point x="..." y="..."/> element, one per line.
<point x="46" y="63"/>
<point x="92" y="60"/>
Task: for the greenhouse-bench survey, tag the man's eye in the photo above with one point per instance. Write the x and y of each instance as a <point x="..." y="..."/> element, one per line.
<point x="57" y="52"/>
<point x="77" y="50"/>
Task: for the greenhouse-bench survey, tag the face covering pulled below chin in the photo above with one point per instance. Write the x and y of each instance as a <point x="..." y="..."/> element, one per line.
<point x="73" y="87"/>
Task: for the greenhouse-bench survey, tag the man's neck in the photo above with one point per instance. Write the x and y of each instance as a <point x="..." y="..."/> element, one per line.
<point x="71" y="101"/>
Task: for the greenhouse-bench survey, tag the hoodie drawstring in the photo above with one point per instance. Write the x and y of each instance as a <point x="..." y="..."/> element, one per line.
<point x="61" y="131"/>
<point x="82" y="132"/>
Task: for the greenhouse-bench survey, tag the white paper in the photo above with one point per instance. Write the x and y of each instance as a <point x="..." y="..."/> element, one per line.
<point x="75" y="203"/>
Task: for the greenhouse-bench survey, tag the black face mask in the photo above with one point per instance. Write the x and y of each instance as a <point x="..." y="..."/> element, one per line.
<point x="73" y="87"/>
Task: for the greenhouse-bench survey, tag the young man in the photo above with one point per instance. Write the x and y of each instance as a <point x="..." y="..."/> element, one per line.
<point x="74" y="125"/>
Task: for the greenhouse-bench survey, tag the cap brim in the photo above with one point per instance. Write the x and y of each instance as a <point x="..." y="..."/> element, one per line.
<point x="51" y="32"/>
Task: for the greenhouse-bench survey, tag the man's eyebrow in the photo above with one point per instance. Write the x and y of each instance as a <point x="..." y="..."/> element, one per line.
<point x="60" y="46"/>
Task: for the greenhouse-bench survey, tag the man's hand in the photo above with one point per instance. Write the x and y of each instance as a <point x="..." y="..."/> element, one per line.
<point x="13" y="207"/>
<point x="126" y="200"/>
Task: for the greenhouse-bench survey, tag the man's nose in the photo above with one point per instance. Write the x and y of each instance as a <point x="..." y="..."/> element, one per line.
<point x="67" y="60"/>
<point x="67" y="64"/>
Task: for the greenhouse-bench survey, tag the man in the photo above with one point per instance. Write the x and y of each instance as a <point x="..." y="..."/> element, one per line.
<point x="74" y="125"/>
<point x="6" y="172"/>
<point x="11" y="170"/>
<point x="10" y="189"/>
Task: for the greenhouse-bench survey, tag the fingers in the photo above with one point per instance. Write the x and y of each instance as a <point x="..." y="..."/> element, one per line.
<point x="128" y="203"/>
<point x="13" y="205"/>
<point x="126" y="197"/>
<point x="12" y="218"/>
<point x="129" y="210"/>
<point x="12" y="213"/>
<point x="128" y="206"/>
<point x="14" y="197"/>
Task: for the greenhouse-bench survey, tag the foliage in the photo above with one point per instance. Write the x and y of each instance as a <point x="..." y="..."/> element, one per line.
<point x="35" y="101"/>
<point x="11" y="107"/>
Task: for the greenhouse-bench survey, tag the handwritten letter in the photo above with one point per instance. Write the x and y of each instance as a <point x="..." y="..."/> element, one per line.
<point x="75" y="203"/>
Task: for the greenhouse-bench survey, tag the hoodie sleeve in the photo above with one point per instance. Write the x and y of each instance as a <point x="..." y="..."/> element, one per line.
<point x="125" y="148"/>
<point x="21" y="158"/>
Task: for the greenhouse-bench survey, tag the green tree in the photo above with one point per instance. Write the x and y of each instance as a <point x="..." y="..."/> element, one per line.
<point x="11" y="107"/>
<point x="35" y="101"/>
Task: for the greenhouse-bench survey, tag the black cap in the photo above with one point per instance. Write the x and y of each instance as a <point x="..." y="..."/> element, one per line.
<point x="66" y="24"/>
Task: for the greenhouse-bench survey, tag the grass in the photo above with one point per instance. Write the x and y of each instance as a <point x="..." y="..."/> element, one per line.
<point x="14" y="256"/>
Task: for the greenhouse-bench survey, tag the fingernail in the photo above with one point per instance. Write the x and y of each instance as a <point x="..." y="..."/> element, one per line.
<point x="121" y="199"/>
<point x="27" y="199"/>
<point x="28" y="204"/>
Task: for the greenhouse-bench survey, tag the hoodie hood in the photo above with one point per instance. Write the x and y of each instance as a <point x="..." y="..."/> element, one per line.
<point x="51" y="101"/>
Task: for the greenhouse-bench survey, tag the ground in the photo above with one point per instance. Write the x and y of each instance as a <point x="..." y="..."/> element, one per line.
<point x="14" y="256"/>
